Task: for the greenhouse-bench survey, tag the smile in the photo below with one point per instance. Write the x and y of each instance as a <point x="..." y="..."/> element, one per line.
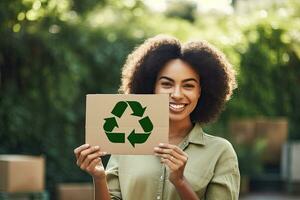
<point x="177" y="107"/>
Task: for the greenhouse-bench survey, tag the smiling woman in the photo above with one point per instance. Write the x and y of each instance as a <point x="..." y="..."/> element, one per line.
<point x="194" y="165"/>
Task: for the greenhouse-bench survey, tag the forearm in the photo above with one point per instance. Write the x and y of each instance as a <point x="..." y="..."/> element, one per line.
<point x="185" y="190"/>
<point x="101" y="191"/>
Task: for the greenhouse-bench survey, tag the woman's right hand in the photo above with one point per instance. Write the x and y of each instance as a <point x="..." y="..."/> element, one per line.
<point x="88" y="159"/>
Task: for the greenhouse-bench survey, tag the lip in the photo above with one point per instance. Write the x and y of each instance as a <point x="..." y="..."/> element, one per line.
<point x="177" y="107"/>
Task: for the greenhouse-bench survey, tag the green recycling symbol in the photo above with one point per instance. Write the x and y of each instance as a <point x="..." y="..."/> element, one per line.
<point x="134" y="138"/>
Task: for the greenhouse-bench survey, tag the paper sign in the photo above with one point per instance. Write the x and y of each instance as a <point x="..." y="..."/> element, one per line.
<point x="127" y="124"/>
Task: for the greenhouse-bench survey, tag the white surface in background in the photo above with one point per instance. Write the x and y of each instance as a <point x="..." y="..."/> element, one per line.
<point x="203" y="5"/>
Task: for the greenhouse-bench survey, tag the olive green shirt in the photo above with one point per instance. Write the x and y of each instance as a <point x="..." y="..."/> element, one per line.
<point x="211" y="170"/>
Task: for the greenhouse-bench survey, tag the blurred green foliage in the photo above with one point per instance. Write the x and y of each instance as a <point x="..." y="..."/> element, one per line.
<point x="251" y="153"/>
<point x="53" y="53"/>
<point x="182" y="9"/>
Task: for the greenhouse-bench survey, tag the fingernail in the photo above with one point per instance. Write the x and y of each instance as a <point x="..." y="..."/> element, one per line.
<point x="104" y="153"/>
<point x="86" y="145"/>
<point x="156" y="148"/>
<point x="97" y="147"/>
<point x="161" y="144"/>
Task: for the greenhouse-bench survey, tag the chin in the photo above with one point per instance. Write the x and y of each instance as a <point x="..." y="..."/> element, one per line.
<point x="177" y="118"/>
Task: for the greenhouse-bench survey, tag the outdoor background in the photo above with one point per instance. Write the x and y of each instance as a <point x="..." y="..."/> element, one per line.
<point x="54" y="52"/>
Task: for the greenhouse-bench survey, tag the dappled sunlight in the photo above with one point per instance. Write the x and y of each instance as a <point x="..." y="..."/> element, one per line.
<point x="54" y="52"/>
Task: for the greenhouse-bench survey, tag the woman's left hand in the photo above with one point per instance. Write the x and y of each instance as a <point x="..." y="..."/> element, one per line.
<point x="175" y="159"/>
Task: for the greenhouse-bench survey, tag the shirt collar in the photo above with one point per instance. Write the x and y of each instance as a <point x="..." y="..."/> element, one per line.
<point x="196" y="135"/>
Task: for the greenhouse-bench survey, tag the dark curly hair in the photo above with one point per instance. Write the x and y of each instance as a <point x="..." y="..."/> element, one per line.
<point x="217" y="77"/>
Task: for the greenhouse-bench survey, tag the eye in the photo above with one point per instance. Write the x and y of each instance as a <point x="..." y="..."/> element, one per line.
<point x="166" y="84"/>
<point x="189" y="86"/>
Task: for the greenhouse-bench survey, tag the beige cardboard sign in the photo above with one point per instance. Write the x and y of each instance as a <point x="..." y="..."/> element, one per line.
<point x="127" y="124"/>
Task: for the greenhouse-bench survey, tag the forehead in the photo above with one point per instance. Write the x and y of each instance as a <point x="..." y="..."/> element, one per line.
<point x="178" y="68"/>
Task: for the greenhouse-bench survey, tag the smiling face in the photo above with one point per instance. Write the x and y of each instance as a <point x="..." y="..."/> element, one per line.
<point x="182" y="83"/>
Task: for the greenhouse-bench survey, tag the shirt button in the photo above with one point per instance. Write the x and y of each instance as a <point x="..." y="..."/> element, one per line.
<point x="161" y="177"/>
<point x="158" y="197"/>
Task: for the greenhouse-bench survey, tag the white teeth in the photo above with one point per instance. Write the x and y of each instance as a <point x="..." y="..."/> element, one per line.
<point x="177" y="107"/>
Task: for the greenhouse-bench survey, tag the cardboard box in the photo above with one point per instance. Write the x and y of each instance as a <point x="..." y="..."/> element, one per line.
<point x="75" y="191"/>
<point x="243" y="130"/>
<point x="273" y="131"/>
<point x="20" y="173"/>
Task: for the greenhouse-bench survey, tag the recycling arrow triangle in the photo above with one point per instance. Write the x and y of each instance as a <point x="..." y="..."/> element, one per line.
<point x="137" y="111"/>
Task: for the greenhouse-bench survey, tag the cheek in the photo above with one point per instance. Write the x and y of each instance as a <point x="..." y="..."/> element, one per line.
<point x="157" y="91"/>
<point x="195" y="97"/>
<point x="198" y="94"/>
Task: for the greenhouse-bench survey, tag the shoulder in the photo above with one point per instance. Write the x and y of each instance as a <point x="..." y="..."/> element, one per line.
<point x="226" y="160"/>
<point x="216" y="140"/>
<point x="221" y="146"/>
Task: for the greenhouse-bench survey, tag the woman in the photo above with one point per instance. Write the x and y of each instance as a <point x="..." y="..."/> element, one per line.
<point x="194" y="165"/>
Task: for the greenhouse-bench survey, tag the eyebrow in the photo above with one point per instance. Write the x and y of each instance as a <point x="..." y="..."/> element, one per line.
<point x="185" y="80"/>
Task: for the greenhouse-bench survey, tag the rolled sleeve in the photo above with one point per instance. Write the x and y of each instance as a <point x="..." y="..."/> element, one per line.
<point x="225" y="183"/>
<point x="112" y="176"/>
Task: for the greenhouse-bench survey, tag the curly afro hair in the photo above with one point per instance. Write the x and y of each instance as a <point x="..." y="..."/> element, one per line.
<point x="217" y="77"/>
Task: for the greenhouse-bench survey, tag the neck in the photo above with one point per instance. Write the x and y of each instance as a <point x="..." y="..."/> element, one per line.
<point x="178" y="130"/>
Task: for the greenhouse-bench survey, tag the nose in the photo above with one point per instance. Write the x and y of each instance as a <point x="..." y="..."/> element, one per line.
<point x="177" y="93"/>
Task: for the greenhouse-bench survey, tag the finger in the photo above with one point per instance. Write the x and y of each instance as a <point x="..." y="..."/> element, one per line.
<point x="79" y="149"/>
<point x="174" y="147"/>
<point x="172" y="159"/>
<point x="86" y="152"/>
<point x="168" y="151"/>
<point x="94" y="163"/>
<point x="162" y="150"/>
<point x="90" y="158"/>
<point x="182" y="155"/>
<point x="170" y="164"/>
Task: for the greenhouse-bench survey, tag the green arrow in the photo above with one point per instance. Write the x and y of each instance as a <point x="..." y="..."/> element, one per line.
<point x="116" y="137"/>
<point x="134" y="138"/>
<point x="137" y="108"/>
<point x="146" y="124"/>
<point x="110" y="124"/>
<point x="119" y="108"/>
<point x="137" y="138"/>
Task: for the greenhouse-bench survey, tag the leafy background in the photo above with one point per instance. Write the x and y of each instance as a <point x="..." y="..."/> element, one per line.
<point x="53" y="53"/>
